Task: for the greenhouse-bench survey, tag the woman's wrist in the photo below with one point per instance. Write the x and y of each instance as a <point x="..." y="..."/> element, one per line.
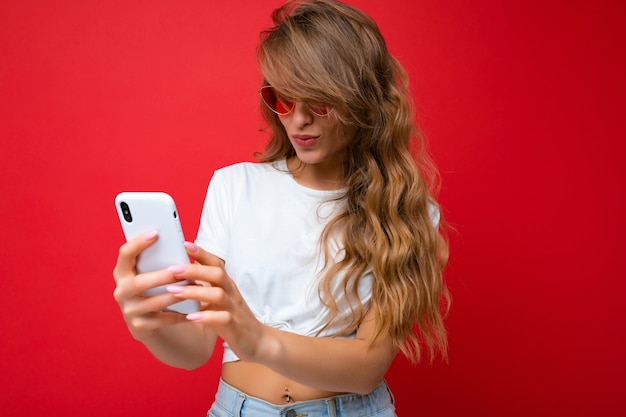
<point x="269" y="349"/>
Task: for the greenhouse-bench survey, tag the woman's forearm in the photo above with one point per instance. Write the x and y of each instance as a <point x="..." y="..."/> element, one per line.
<point x="340" y="365"/>
<point x="186" y="345"/>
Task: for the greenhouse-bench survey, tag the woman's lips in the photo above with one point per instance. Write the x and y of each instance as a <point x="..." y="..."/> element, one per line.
<point x="305" y="140"/>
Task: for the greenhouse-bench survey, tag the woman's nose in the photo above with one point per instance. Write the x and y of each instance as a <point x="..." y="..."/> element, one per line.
<point x="302" y="114"/>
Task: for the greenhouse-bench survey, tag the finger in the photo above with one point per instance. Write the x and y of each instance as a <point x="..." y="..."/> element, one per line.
<point x="150" y="280"/>
<point x="215" y="276"/>
<point x="145" y="306"/>
<point x="137" y="287"/>
<point x="153" y="322"/>
<point x="128" y="253"/>
<point x="211" y="318"/>
<point x="203" y="257"/>
<point x="130" y="285"/>
<point x="215" y="297"/>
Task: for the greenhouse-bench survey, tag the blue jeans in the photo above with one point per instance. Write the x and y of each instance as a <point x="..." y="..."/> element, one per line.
<point x="230" y="402"/>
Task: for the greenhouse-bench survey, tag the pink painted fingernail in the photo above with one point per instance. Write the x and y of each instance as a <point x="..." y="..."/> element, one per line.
<point x="176" y="269"/>
<point x="174" y="289"/>
<point x="194" y="316"/>
<point x="148" y="236"/>
<point x="192" y="247"/>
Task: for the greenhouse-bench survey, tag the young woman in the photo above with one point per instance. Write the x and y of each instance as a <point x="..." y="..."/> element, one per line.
<point x="318" y="264"/>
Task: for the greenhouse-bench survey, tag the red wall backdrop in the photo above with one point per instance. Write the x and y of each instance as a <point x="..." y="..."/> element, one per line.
<point x="523" y="105"/>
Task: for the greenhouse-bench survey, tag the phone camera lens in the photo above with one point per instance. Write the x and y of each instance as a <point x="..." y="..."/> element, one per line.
<point x="126" y="212"/>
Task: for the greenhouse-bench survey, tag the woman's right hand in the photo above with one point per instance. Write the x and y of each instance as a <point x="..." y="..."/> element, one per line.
<point x="143" y="315"/>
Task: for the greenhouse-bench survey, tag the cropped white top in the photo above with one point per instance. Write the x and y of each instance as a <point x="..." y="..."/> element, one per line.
<point x="266" y="227"/>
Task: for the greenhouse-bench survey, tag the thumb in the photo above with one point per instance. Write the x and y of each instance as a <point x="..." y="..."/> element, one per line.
<point x="203" y="257"/>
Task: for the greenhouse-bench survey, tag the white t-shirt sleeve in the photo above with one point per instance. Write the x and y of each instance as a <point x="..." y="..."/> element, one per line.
<point x="213" y="233"/>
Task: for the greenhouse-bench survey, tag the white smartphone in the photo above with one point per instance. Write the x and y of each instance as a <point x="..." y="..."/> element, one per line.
<point x="141" y="212"/>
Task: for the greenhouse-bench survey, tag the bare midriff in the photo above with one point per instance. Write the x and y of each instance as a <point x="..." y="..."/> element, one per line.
<point x="263" y="383"/>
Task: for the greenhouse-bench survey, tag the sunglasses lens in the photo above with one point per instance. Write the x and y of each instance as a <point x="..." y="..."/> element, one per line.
<point x="320" y="110"/>
<point x="276" y="103"/>
<point x="282" y="106"/>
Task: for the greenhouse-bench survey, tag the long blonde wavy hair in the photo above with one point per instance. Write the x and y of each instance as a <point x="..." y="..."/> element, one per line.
<point x="324" y="51"/>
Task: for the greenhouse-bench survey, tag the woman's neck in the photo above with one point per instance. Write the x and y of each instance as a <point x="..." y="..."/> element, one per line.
<point x="323" y="176"/>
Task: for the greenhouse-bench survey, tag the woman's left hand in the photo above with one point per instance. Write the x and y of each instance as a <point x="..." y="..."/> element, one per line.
<point x="225" y="311"/>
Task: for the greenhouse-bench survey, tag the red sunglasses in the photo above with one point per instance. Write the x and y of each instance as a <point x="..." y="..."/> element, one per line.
<point x="283" y="106"/>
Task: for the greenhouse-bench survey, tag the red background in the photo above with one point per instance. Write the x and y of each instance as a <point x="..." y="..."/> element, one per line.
<point x="522" y="103"/>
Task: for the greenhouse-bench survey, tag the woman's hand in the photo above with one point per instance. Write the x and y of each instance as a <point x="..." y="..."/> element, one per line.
<point x="325" y="363"/>
<point x="224" y="309"/>
<point x="143" y="315"/>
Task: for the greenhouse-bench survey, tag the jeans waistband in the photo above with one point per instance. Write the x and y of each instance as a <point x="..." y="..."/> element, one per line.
<point x="240" y="404"/>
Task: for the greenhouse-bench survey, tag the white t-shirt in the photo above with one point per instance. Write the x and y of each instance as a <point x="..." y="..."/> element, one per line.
<point x="266" y="227"/>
